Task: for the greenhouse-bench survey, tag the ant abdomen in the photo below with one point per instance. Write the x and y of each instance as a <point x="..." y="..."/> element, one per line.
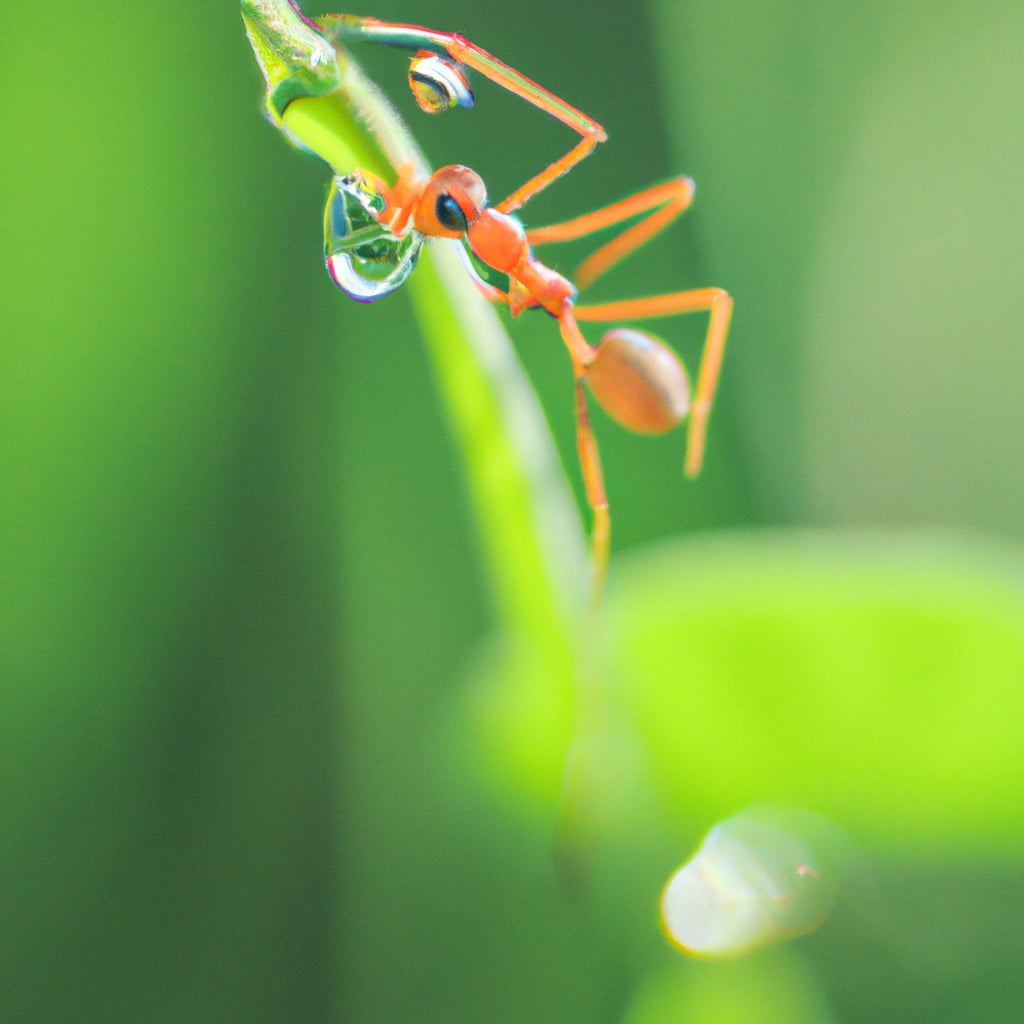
<point x="639" y="381"/>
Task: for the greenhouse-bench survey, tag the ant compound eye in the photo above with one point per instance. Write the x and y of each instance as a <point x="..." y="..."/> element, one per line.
<point x="639" y="381"/>
<point x="449" y="214"/>
<point x="449" y="202"/>
<point x="438" y="84"/>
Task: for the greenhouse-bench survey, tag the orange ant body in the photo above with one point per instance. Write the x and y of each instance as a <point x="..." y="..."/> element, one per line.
<point x="374" y="229"/>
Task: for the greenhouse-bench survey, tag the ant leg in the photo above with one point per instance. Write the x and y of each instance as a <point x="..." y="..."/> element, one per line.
<point x="719" y="304"/>
<point x="666" y="201"/>
<point x="597" y="498"/>
<point x="588" y="451"/>
<point x="340" y="27"/>
<point x="473" y="56"/>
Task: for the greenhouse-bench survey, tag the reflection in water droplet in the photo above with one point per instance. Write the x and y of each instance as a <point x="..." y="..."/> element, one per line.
<point x="365" y="260"/>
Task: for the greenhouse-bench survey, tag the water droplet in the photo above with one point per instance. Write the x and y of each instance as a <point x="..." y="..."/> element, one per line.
<point x="761" y="877"/>
<point x="365" y="260"/>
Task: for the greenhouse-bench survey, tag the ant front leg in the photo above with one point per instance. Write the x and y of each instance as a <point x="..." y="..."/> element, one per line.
<point x="460" y="52"/>
<point x="465" y="52"/>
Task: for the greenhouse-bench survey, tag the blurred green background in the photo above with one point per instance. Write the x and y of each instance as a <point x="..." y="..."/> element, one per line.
<point x="239" y="584"/>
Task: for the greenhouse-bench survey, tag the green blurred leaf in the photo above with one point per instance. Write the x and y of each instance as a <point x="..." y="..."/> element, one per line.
<point x="825" y="669"/>
<point x="872" y="680"/>
<point x="769" y="989"/>
<point x="532" y="542"/>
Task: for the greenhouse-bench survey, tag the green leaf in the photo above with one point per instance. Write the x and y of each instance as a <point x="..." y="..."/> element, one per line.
<point x="823" y="670"/>
<point x="813" y="670"/>
<point x="774" y="989"/>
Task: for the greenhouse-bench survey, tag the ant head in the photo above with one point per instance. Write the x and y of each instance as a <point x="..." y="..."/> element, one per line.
<point x="450" y="202"/>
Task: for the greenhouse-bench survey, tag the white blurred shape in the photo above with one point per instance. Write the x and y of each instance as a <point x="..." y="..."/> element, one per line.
<point x="761" y="877"/>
